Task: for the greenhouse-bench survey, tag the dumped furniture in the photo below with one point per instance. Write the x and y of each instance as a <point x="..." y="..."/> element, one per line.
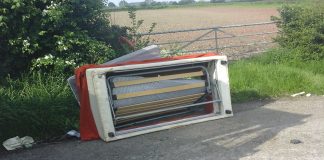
<point x="138" y="97"/>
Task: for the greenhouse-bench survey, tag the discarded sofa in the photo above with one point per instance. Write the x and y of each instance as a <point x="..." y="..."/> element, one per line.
<point x="129" y="98"/>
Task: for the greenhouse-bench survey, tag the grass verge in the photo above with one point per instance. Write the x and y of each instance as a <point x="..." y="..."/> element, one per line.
<point x="270" y="75"/>
<point x="41" y="106"/>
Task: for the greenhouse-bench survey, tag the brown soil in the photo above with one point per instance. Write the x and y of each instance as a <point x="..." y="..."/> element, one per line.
<point x="202" y="17"/>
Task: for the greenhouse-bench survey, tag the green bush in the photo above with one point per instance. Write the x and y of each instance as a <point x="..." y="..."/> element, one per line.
<point x="302" y="30"/>
<point x="71" y="30"/>
<point x="38" y="105"/>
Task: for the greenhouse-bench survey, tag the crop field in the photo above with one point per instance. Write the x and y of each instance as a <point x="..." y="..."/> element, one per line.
<point x="204" y="17"/>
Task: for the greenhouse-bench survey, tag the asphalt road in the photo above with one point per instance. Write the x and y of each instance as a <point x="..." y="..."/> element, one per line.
<point x="258" y="130"/>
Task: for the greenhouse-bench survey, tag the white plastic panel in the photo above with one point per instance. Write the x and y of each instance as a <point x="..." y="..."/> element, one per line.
<point x="102" y="113"/>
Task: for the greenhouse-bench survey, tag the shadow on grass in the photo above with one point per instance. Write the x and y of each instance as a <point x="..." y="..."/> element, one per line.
<point x="247" y="95"/>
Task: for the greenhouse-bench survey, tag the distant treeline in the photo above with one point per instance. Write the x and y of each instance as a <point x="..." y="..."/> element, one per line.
<point x="151" y="4"/>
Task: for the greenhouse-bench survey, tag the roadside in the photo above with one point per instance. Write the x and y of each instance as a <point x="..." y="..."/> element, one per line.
<point x="258" y="130"/>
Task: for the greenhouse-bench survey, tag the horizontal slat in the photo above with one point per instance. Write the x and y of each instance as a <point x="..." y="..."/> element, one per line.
<point x="165" y="109"/>
<point x="156" y="106"/>
<point x="162" y="101"/>
<point x="118" y="121"/>
<point x="158" y="78"/>
<point x="159" y="91"/>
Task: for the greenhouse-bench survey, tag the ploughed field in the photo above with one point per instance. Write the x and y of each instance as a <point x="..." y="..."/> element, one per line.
<point x="205" y="17"/>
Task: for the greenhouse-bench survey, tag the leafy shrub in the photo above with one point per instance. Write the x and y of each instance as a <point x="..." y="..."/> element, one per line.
<point x="302" y="30"/>
<point x="70" y="30"/>
<point x="56" y="65"/>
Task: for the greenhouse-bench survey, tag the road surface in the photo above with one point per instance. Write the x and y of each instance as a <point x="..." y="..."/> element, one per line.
<point x="258" y="130"/>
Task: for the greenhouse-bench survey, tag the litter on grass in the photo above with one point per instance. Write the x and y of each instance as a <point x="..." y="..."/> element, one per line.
<point x="298" y="94"/>
<point x="73" y="133"/>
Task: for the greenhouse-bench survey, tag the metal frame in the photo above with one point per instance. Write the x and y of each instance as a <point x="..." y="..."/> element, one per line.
<point x="216" y="38"/>
<point x="109" y="81"/>
<point x="99" y="98"/>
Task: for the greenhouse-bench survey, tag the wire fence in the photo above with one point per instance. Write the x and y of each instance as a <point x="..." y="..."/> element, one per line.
<point x="235" y="41"/>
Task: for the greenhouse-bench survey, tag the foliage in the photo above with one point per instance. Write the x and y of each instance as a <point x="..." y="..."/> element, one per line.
<point x="302" y="30"/>
<point x="111" y="5"/>
<point x="37" y="105"/>
<point x="217" y="1"/>
<point x="139" y="40"/>
<point x="123" y="3"/>
<point x="174" y="50"/>
<point x="67" y="29"/>
<point x="55" y="64"/>
<point x="186" y="2"/>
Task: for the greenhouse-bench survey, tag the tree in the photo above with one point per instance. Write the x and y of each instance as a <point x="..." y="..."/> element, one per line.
<point x="111" y="5"/>
<point x="186" y="1"/>
<point x="217" y="1"/>
<point x="149" y="2"/>
<point x="173" y="2"/>
<point x="123" y="3"/>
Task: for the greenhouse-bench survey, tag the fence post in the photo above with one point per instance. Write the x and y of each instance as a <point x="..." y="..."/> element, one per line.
<point x="216" y="40"/>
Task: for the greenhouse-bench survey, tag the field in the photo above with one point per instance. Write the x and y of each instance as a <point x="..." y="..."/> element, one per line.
<point x="198" y="17"/>
<point x="207" y="16"/>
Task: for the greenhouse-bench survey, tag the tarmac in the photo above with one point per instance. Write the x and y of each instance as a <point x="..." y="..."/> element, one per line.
<point x="286" y="128"/>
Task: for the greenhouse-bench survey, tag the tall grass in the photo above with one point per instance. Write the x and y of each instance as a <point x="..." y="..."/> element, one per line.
<point x="272" y="75"/>
<point x="37" y="105"/>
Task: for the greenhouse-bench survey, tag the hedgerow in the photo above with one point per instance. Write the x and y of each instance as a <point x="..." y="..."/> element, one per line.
<point x="302" y="30"/>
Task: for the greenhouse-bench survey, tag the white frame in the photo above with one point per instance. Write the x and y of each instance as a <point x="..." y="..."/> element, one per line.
<point x="101" y="111"/>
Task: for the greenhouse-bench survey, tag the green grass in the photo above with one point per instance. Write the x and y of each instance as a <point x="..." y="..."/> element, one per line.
<point x="37" y="105"/>
<point x="263" y="77"/>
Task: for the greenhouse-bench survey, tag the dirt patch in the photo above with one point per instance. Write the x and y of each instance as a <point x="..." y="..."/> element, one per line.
<point x="187" y="18"/>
